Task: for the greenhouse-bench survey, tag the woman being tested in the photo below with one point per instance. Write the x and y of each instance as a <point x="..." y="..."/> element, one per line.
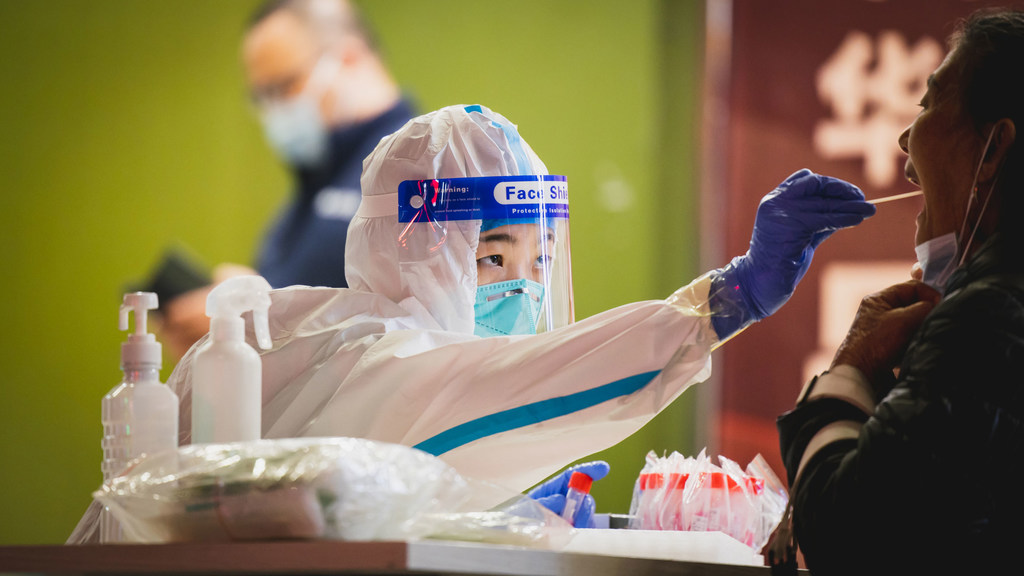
<point x="456" y="335"/>
<point x="920" y="472"/>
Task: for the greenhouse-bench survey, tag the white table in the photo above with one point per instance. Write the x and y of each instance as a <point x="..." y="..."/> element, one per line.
<point x="332" y="557"/>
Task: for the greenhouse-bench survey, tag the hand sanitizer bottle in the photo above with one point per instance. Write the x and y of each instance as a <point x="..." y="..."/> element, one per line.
<point x="140" y="415"/>
<point x="227" y="382"/>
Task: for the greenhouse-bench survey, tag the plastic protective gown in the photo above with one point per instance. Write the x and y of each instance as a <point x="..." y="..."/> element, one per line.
<point x="393" y="358"/>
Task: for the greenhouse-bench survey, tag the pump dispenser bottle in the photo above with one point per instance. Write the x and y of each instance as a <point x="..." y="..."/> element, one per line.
<point x="227" y="374"/>
<point x="140" y="415"/>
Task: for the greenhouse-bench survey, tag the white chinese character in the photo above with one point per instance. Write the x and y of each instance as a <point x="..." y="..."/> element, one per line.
<point x="873" y="96"/>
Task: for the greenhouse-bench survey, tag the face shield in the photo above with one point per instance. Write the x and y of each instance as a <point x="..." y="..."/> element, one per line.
<point x="523" y="273"/>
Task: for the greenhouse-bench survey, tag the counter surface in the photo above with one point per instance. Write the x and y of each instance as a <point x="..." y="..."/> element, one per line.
<point x="330" y="557"/>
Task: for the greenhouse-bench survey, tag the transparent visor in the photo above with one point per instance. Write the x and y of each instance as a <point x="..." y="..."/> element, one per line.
<point x="523" y="267"/>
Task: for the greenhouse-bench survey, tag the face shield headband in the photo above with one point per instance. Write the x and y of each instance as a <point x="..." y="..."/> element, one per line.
<point x="523" y="269"/>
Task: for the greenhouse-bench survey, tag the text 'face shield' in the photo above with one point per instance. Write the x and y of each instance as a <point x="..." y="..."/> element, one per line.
<point x="523" y="268"/>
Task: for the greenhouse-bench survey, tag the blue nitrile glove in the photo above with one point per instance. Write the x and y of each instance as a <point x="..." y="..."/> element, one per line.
<point x="791" y="222"/>
<point x="551" y="494"/>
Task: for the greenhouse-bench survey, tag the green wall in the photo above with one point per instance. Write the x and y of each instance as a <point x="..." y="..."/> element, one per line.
<point x="124" y="128"/>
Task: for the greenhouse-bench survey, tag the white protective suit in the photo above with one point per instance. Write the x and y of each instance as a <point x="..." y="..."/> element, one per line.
<point x="394" y="358"/>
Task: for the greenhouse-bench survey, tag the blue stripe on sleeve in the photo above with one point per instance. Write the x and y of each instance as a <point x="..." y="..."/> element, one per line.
<point x="532" y="414"/>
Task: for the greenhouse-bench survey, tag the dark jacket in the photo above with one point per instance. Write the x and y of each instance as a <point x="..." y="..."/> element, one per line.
<point x="935" y="481"/>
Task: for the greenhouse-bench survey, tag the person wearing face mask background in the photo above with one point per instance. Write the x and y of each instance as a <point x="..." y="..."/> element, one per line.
<point x="325" y="98"/>
<point x="905" y="456"/>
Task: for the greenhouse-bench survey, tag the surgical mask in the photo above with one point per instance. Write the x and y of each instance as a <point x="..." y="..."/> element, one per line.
<point x="937" y="258"/>
<point x="942" y="255"/>
<point x="294" y="127"/>
<point x="508" y="308"/>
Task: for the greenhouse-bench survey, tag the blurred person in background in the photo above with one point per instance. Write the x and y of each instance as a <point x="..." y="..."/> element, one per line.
<point x="325" y="98"/>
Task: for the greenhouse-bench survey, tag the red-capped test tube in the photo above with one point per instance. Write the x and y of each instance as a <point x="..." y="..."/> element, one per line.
<point x="579" y="487"/>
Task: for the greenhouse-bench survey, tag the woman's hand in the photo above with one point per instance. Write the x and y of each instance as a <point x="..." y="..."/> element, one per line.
<point x="882" y="330"/>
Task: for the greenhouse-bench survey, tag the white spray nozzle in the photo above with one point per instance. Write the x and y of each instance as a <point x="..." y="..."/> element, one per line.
<point x="141" y="349"/>
<point x="235" y="296"/>
<point x="138" y="302"/>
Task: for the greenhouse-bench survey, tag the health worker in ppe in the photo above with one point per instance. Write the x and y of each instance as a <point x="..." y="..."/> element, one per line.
<point x="456" y="334"/>
<point x="458" y="253"/>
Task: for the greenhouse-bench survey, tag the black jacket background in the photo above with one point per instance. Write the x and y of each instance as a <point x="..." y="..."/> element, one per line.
<point x="935" y="482"/>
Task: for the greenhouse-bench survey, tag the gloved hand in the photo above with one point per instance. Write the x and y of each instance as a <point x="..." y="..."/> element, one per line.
<point x="791" y="222"/>
<point x="551" y="494"/>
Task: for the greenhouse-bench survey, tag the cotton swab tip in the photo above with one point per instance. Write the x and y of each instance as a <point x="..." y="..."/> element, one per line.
<point x="896" y="197"/>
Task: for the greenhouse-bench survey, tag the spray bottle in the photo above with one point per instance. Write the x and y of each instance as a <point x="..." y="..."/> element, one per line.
<point x="228" y="373"/>
<point x="140" y="415"/>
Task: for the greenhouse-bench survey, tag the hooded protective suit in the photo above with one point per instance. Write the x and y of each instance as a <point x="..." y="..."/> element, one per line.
<point x="394" y="357"/>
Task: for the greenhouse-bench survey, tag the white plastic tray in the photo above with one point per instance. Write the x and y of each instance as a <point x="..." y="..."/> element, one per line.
<point x="715" y="547"/>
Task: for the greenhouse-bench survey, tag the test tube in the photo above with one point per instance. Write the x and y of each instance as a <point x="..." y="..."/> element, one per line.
<point x="579" y="487"/>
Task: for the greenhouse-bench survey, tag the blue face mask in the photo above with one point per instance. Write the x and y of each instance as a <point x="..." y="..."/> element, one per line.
<point x="294" y="127"/>
<point x="507" y="308"/>
<point x="296" y="132"/>
<point x="937" y="258"/>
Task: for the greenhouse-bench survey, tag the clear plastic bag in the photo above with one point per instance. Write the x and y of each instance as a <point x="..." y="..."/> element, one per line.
<point x="693" y="494"/>
<point x="518" y="521"/>
<point x="314" y="488"/>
